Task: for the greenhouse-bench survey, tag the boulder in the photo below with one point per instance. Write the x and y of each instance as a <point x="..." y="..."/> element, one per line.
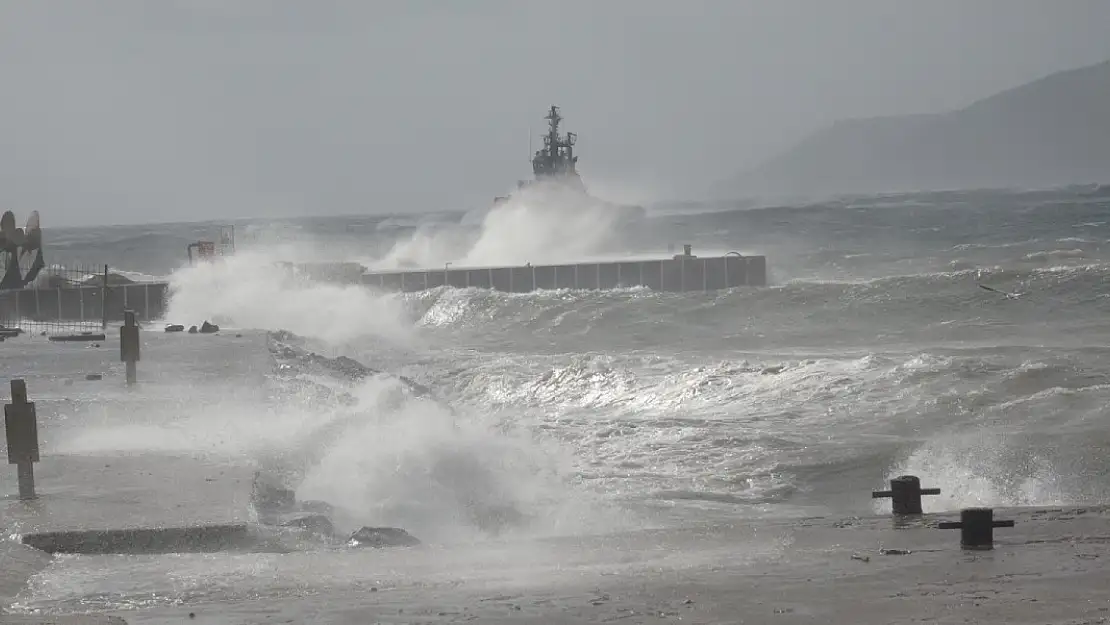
<point x="317" y="507"/>
<point x="379" y="537"/>
<point x="315" y="523"/>
<point x="270" y="498"/>
<point x="209" y="328"/>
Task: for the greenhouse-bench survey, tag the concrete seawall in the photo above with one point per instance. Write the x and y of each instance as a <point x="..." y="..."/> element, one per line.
<point x="683" y="273"/>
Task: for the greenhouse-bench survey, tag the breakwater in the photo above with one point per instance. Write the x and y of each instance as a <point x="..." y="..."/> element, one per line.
<point x="681" y="273"/>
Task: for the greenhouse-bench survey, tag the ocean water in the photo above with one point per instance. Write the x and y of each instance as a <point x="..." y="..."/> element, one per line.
<point x="493" y="417"/>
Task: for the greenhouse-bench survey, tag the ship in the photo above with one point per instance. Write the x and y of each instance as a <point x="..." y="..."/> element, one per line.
<point x="555" y="171"/>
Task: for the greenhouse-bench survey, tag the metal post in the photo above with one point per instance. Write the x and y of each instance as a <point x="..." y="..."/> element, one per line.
<point x="533" y="277"/>
<point x="25" y="474"/>
<point x="104" y="302"/>
<point x="22" y="432"/>
<point x="905" y="494"/>
<point x="976" y="527"/>
<point x="129" y="345"/>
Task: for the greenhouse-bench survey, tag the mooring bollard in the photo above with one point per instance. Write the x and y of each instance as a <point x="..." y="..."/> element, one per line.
<point x="905" y="494"/>
<point x="976" y="527"/>
<point x="22" y="430"/>
<point x="129" y="344"/>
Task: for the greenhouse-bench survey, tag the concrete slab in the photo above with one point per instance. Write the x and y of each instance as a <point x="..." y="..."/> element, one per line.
<point x="17" y="564"/>
<point x="129" y="504"/>
<point x="142" y="540"/>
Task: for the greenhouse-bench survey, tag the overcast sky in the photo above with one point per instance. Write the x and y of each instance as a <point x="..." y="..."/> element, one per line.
<point x="119" y="111"/>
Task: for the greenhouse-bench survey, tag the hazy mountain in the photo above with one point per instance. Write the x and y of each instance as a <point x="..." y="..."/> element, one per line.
<point x="1052" y="131"/>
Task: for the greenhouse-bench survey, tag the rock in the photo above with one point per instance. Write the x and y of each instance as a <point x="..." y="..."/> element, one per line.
<point x="285" y="336"/>
<point x="315" y="523"/>
<point x="775" y="370"/>
<point x="94" y="376"/>
<point x="269" y="498"/>
<point x="317" y="507"/>
<point x="175" y="327"/>
<point x="192" y="329"/>
<point x="379" y="537"/>
<point x="209" y="328"/>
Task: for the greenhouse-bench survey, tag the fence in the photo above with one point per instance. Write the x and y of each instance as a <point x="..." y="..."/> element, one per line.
<point x="74" y="299"/>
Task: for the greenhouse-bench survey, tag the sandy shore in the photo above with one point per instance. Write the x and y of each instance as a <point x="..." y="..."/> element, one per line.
<point x="1050" y="568"/>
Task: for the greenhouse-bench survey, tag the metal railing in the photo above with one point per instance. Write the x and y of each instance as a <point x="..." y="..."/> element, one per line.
<point x="78" y="298"/>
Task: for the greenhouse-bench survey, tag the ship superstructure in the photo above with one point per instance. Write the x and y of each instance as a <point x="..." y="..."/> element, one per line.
<point x="555" y="162"/>
<point x="556" y="158"/>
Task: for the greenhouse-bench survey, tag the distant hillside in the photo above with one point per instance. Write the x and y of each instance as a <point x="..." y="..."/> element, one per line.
<point x="1049" y="132"/>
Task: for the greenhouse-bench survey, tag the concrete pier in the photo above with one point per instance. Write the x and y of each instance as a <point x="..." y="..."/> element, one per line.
<point x="682" y="273"/>
<point x="865" y="571"/>
<point x="131" y="504"/>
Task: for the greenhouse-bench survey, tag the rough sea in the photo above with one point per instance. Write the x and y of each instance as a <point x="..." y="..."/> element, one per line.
<point x="873" y="353"/>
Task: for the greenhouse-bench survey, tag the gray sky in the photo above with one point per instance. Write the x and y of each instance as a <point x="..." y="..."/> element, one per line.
<point x="117" y="111"/>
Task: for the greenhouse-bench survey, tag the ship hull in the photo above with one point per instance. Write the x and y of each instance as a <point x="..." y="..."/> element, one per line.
<point x="566" y="195"/>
